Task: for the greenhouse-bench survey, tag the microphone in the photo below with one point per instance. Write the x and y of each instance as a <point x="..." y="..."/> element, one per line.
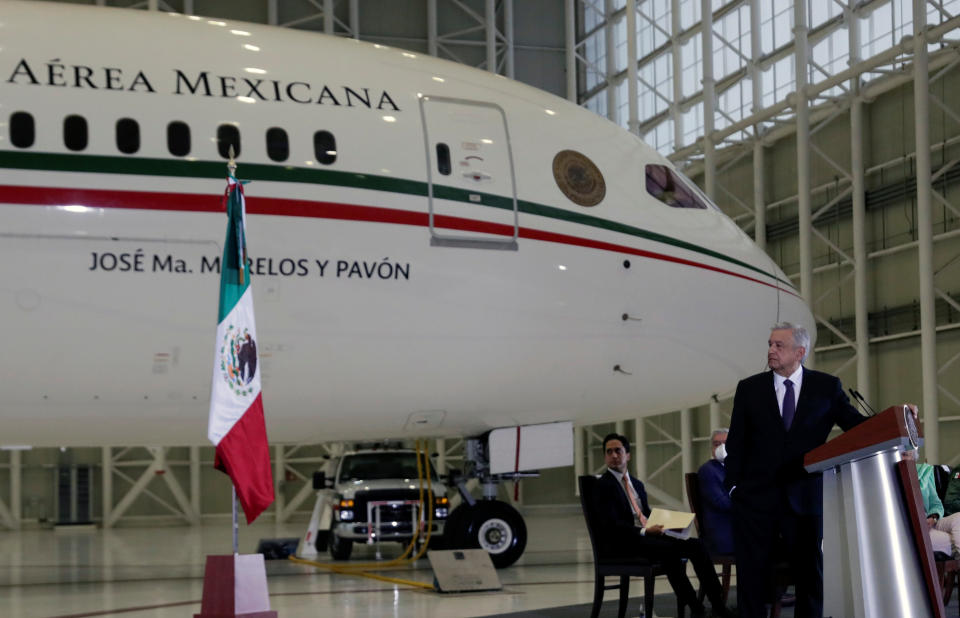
<point x="853" y="395"/>
<point x="863" y="402"/>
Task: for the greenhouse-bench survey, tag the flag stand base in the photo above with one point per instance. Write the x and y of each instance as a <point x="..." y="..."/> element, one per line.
<point x="235" y="586"/>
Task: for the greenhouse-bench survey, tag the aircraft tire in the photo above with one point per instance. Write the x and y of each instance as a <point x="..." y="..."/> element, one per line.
<point x="492" y="525"/>
<point x="340" y="549"/>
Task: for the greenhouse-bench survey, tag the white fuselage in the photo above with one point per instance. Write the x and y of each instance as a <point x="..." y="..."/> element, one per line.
<point x="366" y="329"/>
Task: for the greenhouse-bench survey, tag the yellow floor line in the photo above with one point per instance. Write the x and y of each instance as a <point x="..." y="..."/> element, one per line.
<point x="354" y="571"/>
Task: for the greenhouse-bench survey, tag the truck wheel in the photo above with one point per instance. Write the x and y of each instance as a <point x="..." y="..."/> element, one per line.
<point x="340" y="549"/>
<point x="494" y="526"/>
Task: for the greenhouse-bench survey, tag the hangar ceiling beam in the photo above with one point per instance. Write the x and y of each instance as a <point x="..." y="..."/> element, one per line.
<point x="498" y="45"/>
<point x="570" y="38"/>
<point x="891" y="56"/>
<point x="709" y="101"/>
<point x="676" y="110"/>
<point x="508" y="49"/>
<point x="490" y="16"/>
<point x="432" y="27"/>
<point x="633" y="112"/>
<point x="858" y="195"/>
<point x="802" y="107"/>
<point x="928" y="319"/>
<point x="611" y="58"/>
<point x="759" y="198"/>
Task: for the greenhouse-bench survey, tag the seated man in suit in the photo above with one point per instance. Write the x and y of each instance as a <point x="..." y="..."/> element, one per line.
<point x="624" y="532"/>
<point x="717" y="533"/>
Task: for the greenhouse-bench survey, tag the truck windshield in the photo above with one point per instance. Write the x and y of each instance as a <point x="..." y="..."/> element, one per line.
<point x="375" y="466"/>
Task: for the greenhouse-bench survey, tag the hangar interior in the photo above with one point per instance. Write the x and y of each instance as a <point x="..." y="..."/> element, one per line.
<point x="850" y="185"/>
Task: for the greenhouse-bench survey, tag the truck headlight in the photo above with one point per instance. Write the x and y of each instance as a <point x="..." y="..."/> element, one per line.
<point x="345" y="509"/>
<point x="442" y="504"/>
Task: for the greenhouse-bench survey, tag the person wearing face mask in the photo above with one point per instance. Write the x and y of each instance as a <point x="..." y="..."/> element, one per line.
<point x="717" y="533"/>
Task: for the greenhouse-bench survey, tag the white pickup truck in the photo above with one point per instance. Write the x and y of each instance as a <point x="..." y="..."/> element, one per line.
<point x="376" y="497"/>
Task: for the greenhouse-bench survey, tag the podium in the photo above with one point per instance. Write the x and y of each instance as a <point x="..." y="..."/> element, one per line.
<point x="877" y="558"/>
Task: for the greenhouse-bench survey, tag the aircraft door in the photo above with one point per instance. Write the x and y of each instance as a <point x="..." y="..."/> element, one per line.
<point x="472" y="192"/>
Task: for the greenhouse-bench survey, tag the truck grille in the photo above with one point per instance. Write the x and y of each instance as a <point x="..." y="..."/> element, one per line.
<point x="403" y="513"/>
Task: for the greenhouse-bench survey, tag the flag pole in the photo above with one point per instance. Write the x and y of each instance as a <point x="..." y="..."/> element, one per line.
<point x="236" y="585"/>
<point x="236" y="526"/>
<point x="231" y="172"/>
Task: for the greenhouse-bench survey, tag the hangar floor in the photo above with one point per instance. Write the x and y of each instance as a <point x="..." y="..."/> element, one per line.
<point x="157" y="573"/>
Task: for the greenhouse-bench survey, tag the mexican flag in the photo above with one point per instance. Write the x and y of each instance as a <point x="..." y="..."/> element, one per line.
<point x="236" y="423"/>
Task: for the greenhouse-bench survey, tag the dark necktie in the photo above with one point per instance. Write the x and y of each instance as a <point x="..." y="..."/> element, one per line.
<point x="789" y="405"/>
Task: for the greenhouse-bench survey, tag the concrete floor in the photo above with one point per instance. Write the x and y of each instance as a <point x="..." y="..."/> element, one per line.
<point x="158" y="573"/>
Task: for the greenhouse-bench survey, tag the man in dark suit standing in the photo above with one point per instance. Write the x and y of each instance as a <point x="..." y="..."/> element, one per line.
<point x="622" y="510"/>
<point x="779" y="416"/>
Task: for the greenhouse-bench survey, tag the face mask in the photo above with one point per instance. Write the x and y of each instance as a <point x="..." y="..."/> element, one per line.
<point x="721" y="453"/>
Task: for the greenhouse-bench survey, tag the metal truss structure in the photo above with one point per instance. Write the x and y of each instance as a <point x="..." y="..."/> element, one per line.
<point x="700" y="130"/>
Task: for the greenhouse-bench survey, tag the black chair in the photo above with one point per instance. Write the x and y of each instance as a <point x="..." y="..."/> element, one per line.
<point x="724" y="561"/>
<point x="624" y="568"/>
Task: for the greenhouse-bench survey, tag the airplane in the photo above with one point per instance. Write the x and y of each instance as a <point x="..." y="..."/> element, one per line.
<point x="435" y="250"/>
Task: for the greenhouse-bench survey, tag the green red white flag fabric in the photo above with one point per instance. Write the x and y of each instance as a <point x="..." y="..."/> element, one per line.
<point x="236" y="424"/>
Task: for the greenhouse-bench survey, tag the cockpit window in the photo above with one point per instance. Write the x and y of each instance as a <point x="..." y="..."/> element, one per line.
<point x="672" y="189"/>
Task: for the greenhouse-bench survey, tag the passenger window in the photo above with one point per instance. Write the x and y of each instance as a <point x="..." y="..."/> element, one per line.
<point x="228" y="135"/>
<point x="443" y="159"/>
<point x="178" y="138"/>
<point x="75" y="132"/>
<point x="672" y="189"/>
<point x="22" y="131"/>
<point x="325" y="147"/>
<point x="128" y="135"/>
<point x="278" y="147"/>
